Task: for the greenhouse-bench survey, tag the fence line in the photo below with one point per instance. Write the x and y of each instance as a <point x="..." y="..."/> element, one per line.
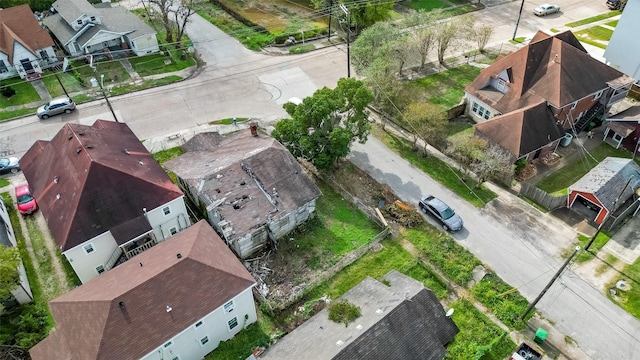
<point x="541" y="197"/>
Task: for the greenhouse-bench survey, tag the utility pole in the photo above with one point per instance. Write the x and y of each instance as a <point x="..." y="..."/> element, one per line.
<point x="330" y="11"/>
<point x="518" y="21"/>
<point x="346" y="11"/>
<point x="553" y="279"/>
<point x="104" y="93"/>
<point x="60" y="82"/>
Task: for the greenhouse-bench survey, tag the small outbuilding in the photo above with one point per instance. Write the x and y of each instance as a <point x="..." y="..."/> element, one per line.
<point x="605" y="188"/>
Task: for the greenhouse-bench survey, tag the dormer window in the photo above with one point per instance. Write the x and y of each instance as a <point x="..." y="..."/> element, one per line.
<point x="573" y="106"/>
<point x="79" y="22"/>
<point x="598" y="95"/>
<point x="93" y="18"/>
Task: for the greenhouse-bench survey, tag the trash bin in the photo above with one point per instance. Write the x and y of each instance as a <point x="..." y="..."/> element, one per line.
<point x="541" y="335"/>
<point x="566" y="140"/>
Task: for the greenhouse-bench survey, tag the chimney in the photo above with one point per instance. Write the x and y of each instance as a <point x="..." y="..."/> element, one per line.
<point x="254" y="128"/>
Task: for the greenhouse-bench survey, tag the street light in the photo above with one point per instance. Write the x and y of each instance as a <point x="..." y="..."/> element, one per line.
<point x="346" y="12"/>
<point x="106" y="98"/>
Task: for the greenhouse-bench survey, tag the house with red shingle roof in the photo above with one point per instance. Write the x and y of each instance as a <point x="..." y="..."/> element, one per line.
<point x="555" y="72"/>
<point x="25" y="47"/>
<point x="178" y="300"/>
<point x="103" y="195"/>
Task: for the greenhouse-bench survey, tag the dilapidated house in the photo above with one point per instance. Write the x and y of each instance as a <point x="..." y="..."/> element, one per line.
<point x="249" y="187"/>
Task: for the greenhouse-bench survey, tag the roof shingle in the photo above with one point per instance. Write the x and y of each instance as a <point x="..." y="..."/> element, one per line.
<point x="19" y="24"/>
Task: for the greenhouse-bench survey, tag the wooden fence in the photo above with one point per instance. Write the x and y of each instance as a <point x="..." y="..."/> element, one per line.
<point x="541" y="197"/>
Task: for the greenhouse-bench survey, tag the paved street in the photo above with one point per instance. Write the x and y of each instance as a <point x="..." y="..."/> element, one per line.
<point x="517" y="242"/>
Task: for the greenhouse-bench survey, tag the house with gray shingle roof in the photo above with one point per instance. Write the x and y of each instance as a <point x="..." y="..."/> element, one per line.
<point x="605" y="188"/>
<point x="84" y="29"/>
<point x="179" y="300"/>
<point x="400" y="319"/>
<point x="552" y="70"/>
<point x="25" y="47"/>
<point x="250" y="188"/>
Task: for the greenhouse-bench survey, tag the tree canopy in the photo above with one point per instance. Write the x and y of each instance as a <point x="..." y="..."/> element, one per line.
<point x="323" y="127"/>
<point x="9" y="275"/>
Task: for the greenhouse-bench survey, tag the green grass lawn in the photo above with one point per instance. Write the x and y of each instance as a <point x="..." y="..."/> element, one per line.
<point x="155" y="63"/>
<point x="70" y="83"/>
<point x="597" y="36"/>
<point x="8" y="115"/>
<point x="437" y="169"/>
<point x="426" y="5"/>
<point x="112" y="70"/>
<point x="570" y="173"/>
<point x="613" y="23"/>
<point x="593" y="19"/>
<point x="444" y="88"/>
<point x="628" y="300"/>
<point x="600" y="241"/>
<point x="25" y="93"/>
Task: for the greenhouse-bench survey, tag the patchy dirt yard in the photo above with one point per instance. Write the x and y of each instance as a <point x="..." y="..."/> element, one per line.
<point x="299" y="261"/>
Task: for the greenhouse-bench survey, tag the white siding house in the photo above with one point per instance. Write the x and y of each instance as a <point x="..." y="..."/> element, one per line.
<point x="623" y="52"/>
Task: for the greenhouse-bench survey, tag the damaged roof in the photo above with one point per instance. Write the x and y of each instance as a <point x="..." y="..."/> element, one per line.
<point x="556" y="69"/>
<point x="250" y="179"/>
<point x="90" y="179"/>
<point x="122" y="313"/>
<point x="607" y="181"/>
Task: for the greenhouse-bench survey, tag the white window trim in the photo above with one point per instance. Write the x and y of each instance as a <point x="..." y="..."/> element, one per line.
<point x="168" y="344"/>
<point x="93" y="249"/>
<point x="103" y="268"/>
<point x="229" y="325"/>
<point x="202" y="338"/>
<point x="231" y="304"/>
<point x="173" y="230"/>
<point x="198" y="324"/>
<point x="573" y="106"/>
<point x="166" y="207"/>
<point x="598" y="95"/>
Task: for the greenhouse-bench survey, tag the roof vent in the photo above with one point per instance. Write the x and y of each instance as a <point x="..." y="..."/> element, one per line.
<point x="140" y="264"/>
<point x="78" y="150"/>
<point x="339" y="343"/>
<point x="140" y="162"/>
<point x="379" y="312"/>
<point x="169" y="308"/>
<point x="179" y="256"/>
<point x="81" y="133"/>
<point x="58" y="196"/>
<point x="121" y="304"/>
<point x="56" y="179"/>
<point x="69" y="137"/>
<point x="89" y="146"/>
<point x="126" y="151"/>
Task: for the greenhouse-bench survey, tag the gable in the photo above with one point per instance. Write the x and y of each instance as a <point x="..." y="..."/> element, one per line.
<point x="555" y="69"/>
<point x="88" y="179"/>
<point x="18" y="25"/>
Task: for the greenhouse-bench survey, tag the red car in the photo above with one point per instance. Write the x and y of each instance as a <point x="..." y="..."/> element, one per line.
<point x="26" y="202"/>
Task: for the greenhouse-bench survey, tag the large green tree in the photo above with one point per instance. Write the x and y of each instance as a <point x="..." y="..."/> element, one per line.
<point x="323" y="127"/>
<point x="363" y="13"/>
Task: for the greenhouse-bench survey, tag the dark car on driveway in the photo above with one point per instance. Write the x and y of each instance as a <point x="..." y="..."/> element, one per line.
<point x="9" y="165"/>
<point x="442" y="212"/>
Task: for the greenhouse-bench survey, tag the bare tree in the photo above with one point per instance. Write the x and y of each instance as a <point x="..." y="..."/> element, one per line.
<point x="483" y="34"/>
<point x="423" y="32"/>
<point x="495" y="163"/>
<point x="181" y="16"/>
<point x="452" y="33"/>
<point x="164" y="7"/>
<point x="173" y="14"/>
<point x="466" y="149"/>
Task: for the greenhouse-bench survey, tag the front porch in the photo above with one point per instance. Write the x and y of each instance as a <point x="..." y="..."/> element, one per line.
<point x="129" y="250"/>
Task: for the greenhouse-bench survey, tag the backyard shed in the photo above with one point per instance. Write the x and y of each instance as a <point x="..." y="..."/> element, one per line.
<point x="605" y="188"/>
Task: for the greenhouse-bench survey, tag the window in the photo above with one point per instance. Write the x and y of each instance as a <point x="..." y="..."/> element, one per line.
<point x="198" y="324"/>
<point x="166" y="210"/>
<point x="100" y="269"/>
<point x="93" y="18"/>
<point x="232" y="323"/>
<point x="598" y="94"/>
<point x="481" y="111"/>
<point x="44" y="55"/>
<point x="3" y="67"/>
<point x="228" y="307"/>
<point x="204" y="340"/>
<point x="167" y="344"/>
<point x="475" y="107"/>
<point x="88" y="249"/>
<point x="573" y="106"/>
<point x="79" y="22"/>
<point x="175" y="358"/>
<point x="173" y="230"/>
<point x="487" y="114"/>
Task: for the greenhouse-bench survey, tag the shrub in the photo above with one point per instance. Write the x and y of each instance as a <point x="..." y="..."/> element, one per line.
<point x="344" y="312"/>
<point x="7" y="91"/>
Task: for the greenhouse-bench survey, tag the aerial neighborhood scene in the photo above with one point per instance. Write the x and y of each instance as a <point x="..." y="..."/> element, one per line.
<point x="349" y="179"/>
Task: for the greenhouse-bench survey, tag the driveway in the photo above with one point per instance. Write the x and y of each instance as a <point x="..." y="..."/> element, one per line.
<point x="523" y="247"/>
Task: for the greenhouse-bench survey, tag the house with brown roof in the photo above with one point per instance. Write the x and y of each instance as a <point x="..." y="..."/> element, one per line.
<point x="25" y="47"/>
<point x="178" y="300"/>
<point x="103" y="195"/>
<point x="250" y="188"/>
<point x="83" y="28"/>
<point x="623" y="129"/>
<point x="553" y="71"/>
<point x="400" y="319"/>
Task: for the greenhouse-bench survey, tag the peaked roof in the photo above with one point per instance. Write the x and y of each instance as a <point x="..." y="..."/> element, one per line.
<point x="19" y="24"/>
<point x="89" y="179"/>
<point x="71" y="10"/>
<point x="122" y="313"/>
<point x="607" y="181"/>
<point x="256" y="175"/>
<point x="522" y="131"/>
<point x="556" y="69"/>
<point x="401" y="321"/>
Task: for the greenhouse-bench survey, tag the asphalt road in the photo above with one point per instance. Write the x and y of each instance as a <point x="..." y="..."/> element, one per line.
<point x="517" y="242"/>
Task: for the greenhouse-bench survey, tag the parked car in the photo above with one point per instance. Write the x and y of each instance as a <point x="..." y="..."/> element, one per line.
<point x="614" y="4"/>
<point x="9" y="165"/>
<point x="546" y="9"/>
<point x="26" y="202"/>
<point x="442" y="212"/>
<point x="56" y="106"/>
